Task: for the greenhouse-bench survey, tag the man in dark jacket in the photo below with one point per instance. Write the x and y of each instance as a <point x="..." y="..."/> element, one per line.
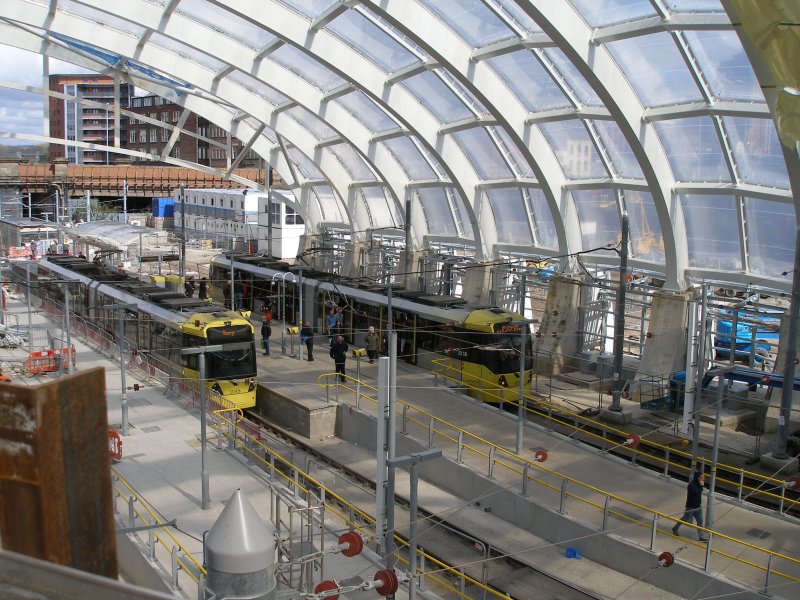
<point x="339" y="355"/>
<point x="307" y="338"/>
<point x="694" y="504"/>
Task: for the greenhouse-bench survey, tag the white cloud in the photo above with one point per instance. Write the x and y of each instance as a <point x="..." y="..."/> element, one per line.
<point x="22" y="112"/>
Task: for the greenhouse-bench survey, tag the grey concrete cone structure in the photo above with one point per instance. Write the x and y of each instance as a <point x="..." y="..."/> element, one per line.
<point x="240" y="554"/>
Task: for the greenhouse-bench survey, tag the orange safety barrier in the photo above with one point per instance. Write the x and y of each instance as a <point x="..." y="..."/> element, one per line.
<point x="114" y="445"/>
<point x="46" y="361"/>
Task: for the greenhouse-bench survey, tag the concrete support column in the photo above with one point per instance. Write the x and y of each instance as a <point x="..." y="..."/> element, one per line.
<point x="411" y="279"/>
<point x="476" y="283"/>
<point x="774" y="410"/>
<point x="665" y="346"/>
<point x="351" y="264"/>
<point x="559" y="326"/>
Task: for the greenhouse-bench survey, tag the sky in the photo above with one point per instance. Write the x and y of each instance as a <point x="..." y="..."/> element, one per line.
<point x="21" y="112"/>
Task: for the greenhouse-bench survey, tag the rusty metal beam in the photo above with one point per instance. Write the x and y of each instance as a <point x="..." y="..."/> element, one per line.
<point x="55" y="473"/>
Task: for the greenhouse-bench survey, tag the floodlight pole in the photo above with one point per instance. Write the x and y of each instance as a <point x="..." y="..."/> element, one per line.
<point x="720" y="372"/>
<point x="413" y="460"/>
<point x="619" y="316"/>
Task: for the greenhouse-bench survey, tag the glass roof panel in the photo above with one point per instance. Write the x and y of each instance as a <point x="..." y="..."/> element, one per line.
<point x="374" y="118"/>
<point x="694" y="6"/>
<point x="646" y="238"/>
<point x="436" y="211"/>
<point x="668" y="79"/>
<point x="410" y="158"/>
<point x="510" y="216"/>
<point x="528" y="80"/>
<point x="771" y="230"/>
<point x="305" y="67"/>
<point x="599" y="218"/>
<point x="243" y="31"/>
<point x="693" y="149"/>
<point x="437" y="97"/>
<point x="98" y="16"/>
<point x="310" y="8"/>
<point x="519" y="164"/>
<point x="757" y="151"/>
<point x="471" y="19"/>
<point x="311" y="122"/>
<point x="352" y="162"/>
<point x="378" y="204"/>
<point x="574" y="149"/>
<point x="725" y="65"/>
<point x="185" y="51"/>
<point x="518" y="18"/>
<point x="618" y="149"/>
<point x="373" y="42"/>
<point x="482" y="152"/>
<point x="599" y="13"/>
<point x="554" y="58"/>
<point x="329" y="205"/>
<point x="714" y="247"/>
<point x="306" y="166"/>
<point x="460" y="213"/>
<point x="544" y="228"/>
<point x="258" y="87"/>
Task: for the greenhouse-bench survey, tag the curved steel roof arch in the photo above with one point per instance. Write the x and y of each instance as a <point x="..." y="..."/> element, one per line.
<point x="442" y="47"/>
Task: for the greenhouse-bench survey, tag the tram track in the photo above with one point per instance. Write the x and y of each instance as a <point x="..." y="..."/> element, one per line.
<point x="478" y="559"/>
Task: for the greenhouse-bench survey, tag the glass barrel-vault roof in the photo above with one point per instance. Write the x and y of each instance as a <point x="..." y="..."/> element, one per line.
<point x="511" y="125"/>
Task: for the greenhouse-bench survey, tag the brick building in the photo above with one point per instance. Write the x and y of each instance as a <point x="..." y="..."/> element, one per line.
<point x="207" y="149"/>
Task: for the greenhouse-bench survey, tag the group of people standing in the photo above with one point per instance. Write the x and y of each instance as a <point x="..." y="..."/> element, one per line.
<point x="189" y="288"/>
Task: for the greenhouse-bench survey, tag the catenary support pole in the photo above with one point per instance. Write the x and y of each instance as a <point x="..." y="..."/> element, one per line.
<point x="619" y="316"/>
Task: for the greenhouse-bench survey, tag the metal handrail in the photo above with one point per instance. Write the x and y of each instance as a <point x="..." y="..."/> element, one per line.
<point x="151" y="513"/>
<point x="527" y="465"/>
<point x="269" y="456"/>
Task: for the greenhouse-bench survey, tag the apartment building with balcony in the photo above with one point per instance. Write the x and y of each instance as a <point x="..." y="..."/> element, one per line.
<point x="73" y="119"/>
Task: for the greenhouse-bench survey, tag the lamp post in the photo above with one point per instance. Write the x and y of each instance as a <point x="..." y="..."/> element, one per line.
<point x="201" y="360"/>
<point x="121" y="308"/>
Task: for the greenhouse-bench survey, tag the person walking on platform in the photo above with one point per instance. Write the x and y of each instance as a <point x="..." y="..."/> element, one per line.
<point x="371" y="344"/>
<point x="266" y="332"/>
<point x="339" y="355"/>
<point x="307" y="338"/>
<point x="694" y="504"/>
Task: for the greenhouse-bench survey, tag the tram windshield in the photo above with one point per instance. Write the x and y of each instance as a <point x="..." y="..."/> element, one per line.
<point x="231" y="364"/>
<point x="502" y="355"/>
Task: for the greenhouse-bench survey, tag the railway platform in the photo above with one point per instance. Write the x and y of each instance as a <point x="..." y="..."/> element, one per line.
<point x="624" y="511"/>
<point x="605" y="508"/>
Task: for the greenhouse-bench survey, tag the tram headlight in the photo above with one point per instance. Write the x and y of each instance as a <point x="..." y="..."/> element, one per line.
<point x="252" y="385"/>
<point x="502" y="381"/>
<point x="216" y="389"/>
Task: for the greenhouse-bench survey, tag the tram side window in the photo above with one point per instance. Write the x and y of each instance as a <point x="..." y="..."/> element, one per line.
<point x="190" y="361"/>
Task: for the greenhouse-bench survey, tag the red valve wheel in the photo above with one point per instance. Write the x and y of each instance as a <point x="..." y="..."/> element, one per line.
<point x="389" y="583"/>
<point x="327" y="586"/>
<point x="665" y="559"/>
<point x="793" y="483"/>
<point x="633" y="440"/>
<point x="540" y="455"/>
<point x="355" y="543"/>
